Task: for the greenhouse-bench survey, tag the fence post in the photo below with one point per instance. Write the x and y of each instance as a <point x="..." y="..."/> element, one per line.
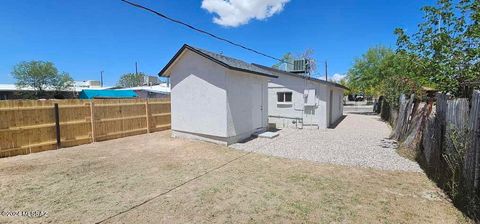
<point x="57" y="125"/>
<point x="92" y="119"/>
<point x="147" y="111"/>
<point x="475" y="126"/>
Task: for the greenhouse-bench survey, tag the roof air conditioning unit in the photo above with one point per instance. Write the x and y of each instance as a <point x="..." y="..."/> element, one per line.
<point x="300" y="66"/>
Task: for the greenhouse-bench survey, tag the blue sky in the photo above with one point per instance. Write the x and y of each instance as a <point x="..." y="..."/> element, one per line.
<point x="85" y="37"/>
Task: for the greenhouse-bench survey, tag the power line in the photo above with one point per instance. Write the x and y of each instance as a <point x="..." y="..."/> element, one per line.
<point x="203" y="31"/>
<point x="175" y="187"/>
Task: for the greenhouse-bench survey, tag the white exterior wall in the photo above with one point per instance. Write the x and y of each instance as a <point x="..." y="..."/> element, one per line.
<point x="198" y="96"/>
<point x="337" y="104"/>
<point x="247" y="107"/>
<point x="280" y="114"/>
<point x="283" y="115"/>
<point x="212" y="103"/>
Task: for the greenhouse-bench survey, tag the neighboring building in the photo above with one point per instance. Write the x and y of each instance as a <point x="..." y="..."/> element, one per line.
<point x="88" y="84"/>
<point x="153" y="91"/>
<point x="299" y="101"/>
<point x="151" y="80"/>
<point x="107" y="94"/>
<point x="216" y="98"/>
<point x="11" y="91"/>
<point x="146" y="94"/>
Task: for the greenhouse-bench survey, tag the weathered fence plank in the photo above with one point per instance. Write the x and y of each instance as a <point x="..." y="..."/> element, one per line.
<point x="472" y="157"/>
<point x="456" y="121"/>
<point x="441" y="112"/>
<point x="431" y="142"/>
<point x="416" y="126"/>
<point x="404" y="114"/>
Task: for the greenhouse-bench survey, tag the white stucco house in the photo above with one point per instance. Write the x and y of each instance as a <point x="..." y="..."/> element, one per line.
<point x="295" y="100"/>
<point x="216" y="98"/>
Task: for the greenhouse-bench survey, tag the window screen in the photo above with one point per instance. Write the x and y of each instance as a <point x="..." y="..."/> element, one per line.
<point x="280" y="97"/>
<point x="288" y="97"/>
<point x="284" y="97"/>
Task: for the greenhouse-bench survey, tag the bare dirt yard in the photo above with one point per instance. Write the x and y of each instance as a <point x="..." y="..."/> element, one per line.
<point x="155" y="179"/>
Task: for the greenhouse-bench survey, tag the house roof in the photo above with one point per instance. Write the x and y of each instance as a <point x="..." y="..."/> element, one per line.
<point x="228" y="62"/>
<point x="239" y="65"/>
<point x="273" y="70"/>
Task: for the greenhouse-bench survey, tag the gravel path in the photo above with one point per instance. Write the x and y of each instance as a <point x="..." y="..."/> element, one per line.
<point x="359" y="140"/>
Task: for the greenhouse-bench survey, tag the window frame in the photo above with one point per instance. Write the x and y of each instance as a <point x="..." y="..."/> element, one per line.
<point x="283" y="95"/>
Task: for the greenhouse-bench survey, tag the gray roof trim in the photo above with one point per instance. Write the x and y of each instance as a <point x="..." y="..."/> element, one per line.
<point x="300" y="76"/>
<point x="230" y="63"/>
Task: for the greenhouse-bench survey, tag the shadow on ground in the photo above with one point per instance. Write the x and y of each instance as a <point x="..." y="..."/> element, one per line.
<point x="334" y="125"/>
<point x="364" y="113"/>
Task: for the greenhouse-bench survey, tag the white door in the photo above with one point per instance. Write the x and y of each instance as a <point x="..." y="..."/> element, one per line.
<point x="257" y="105"/>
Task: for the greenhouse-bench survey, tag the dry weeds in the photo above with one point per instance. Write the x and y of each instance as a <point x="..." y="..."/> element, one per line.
<point x="89" y="183"/>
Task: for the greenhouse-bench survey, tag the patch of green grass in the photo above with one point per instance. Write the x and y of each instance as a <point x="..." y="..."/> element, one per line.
<point x="301" y="208"/>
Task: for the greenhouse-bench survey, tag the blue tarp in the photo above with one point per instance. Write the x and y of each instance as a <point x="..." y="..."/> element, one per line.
<point x="106" y="94"/>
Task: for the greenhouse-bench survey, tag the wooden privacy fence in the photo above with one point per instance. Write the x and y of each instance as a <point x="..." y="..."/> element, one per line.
<point x="447" y="139"/>
<point x="28" y="126"/>
<point x="472" y="157"/>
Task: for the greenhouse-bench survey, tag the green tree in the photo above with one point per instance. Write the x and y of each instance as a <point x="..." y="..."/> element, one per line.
<point x="367" y="73"/>
<point x="131" y="80"/>
<point x="447" y="44"/>
<point x="401" y="76"/>
<point x="381" y="71"/>
<point x="62" y="82"/>
<point x="344" y="82"/>
<point x="286" y="59"/>
<point x="41" y="75"/>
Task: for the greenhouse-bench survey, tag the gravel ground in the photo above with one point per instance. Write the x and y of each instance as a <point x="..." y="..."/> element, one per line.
<point x="361" y="139"/>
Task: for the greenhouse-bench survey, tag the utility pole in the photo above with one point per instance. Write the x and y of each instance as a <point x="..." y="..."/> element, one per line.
<point x="101" y="78"/>
<point x="136" y="69"/>
<point x="326" y="70"/>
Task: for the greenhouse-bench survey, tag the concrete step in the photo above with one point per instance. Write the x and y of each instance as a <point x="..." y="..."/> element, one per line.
<point x="266" y="134"/>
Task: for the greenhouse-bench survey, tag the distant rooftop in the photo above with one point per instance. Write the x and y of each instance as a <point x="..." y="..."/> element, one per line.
<point x="77" y="87"/>
<point x="161" y="88"/>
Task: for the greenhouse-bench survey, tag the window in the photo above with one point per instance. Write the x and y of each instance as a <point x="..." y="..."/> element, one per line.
<point x="284" y="97"/>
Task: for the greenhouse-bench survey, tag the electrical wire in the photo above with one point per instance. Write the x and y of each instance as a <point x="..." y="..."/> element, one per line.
<point x="203" y="31"/>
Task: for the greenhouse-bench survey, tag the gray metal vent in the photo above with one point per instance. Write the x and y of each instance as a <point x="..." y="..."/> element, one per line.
<point x="300" y="66"/>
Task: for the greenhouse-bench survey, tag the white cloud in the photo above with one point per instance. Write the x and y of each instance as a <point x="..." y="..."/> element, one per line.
<point x="337" y="77"/>
<point x="233" y="13"/>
